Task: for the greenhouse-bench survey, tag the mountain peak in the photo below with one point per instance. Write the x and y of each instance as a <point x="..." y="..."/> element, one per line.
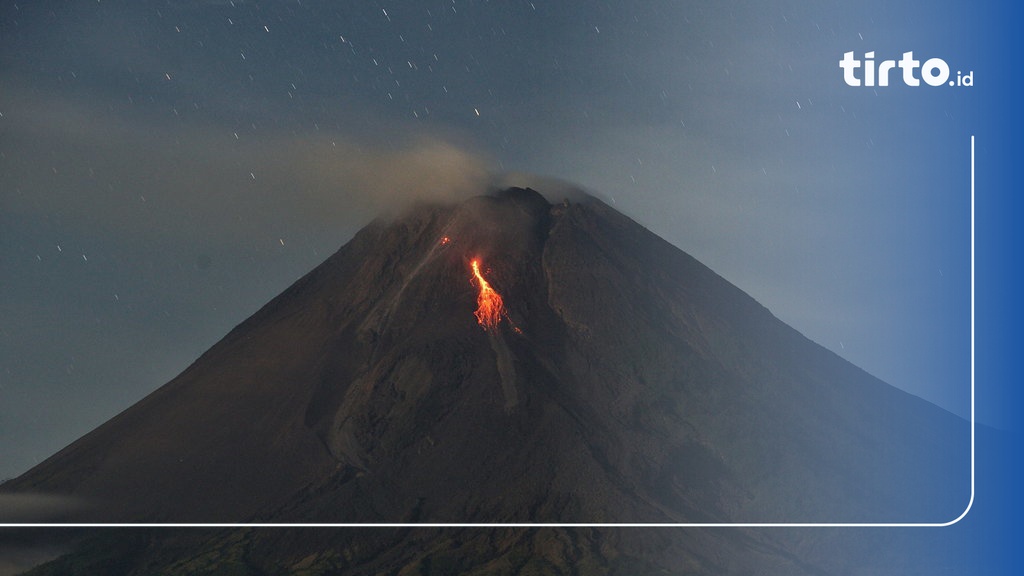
<point x="527" y="196"/>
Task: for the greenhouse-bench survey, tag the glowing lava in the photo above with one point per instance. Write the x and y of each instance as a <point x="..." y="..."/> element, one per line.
<point x="489" y="305"/>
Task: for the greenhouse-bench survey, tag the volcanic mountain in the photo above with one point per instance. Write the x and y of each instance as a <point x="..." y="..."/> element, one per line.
<point x="509" y="360"/>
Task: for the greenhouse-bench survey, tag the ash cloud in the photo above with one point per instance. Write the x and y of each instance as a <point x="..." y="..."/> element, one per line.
<point x="215" y="181"/>
<point x="349" y="176"/>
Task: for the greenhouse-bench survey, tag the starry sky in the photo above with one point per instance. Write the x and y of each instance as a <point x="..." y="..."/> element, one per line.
<point x="166" y="167"/>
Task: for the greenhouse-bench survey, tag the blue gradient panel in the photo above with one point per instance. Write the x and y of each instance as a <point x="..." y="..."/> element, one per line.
<point x="994" y="525"/>
<point x="986" y="38"/>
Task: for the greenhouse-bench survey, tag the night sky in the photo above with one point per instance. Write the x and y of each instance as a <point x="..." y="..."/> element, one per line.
<point x="168" y="167"/>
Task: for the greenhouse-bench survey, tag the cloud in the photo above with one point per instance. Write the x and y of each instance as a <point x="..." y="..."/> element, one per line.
<point x="347" y="177"/>
<point x="32" y="507"/>
<point x="203" y="180"/>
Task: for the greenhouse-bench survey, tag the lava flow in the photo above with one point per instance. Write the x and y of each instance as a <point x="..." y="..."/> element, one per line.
<point x="489" y="305"/>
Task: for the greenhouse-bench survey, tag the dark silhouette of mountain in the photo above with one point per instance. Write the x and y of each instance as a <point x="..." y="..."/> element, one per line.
<point x="619" y="381"/>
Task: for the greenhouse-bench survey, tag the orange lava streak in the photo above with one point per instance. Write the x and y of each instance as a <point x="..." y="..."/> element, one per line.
<point x="489" y="305"/>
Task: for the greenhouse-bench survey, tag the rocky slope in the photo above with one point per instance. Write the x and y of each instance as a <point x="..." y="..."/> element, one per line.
<point x="623" y="382"/>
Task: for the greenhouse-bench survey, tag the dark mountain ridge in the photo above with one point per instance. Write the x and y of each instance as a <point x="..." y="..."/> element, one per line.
<point x="624" y="382"/>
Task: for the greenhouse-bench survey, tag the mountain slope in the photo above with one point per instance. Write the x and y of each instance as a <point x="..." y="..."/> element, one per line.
<point x="623" y="382"/>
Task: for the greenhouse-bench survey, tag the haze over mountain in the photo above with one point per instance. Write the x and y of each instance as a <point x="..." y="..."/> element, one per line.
<point x="501" y="360"/>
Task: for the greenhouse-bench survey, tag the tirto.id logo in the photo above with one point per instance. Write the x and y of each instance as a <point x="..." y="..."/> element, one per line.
<point x="934" y="71"/>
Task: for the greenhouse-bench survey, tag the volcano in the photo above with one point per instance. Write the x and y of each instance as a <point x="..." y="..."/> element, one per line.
<point x="511" y="360"/>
